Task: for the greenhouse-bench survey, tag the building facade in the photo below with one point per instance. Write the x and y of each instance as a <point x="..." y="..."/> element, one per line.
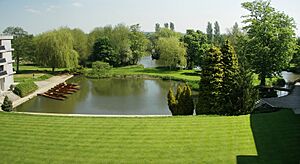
<point x="6" y="63"/>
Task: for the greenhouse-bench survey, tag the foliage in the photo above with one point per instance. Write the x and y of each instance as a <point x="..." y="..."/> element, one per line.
<point x="209" y="32"/>
<point x="80" y="44"/>
<point x="24" y="88"/>
<point x="270" y="39"/>
<point x="172" y="52"/>
<point x="196" y="43"/>
<point x="100" y="70"/>
<point x="102" y="51"/>
<point x="155" y="37"/>
<point x="55" y="49"/>
<point x="217" y="34"/>
<point x="7" y="105"/>
<point x="182" y="103"/>
<point x="172" y="26"/>
<point x="211" y="81"/>
<point x="22" y="43"/>
<point x="122" y="45"/>
<point x="225" y="86"/>
<point x="138" y="44"/>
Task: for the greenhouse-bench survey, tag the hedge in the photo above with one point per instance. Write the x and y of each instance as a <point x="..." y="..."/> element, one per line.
<point x="25" y="88"/>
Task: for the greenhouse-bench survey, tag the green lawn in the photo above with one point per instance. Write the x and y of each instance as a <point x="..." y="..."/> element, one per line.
<point x="259" y="138"/>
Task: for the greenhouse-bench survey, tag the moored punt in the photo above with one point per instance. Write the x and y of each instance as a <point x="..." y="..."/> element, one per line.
<point x="59" y="91"/>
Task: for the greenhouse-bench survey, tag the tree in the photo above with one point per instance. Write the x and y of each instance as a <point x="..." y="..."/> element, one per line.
<point x="22" y="44"/>
<point x="231" y="71"/>
<point x="211" y="82"/>
<point x="157" y="27"/>
<point x="172" y="52"/>
<point x="154" y="38"/>
<point x="196" y="43"/>
<point x="7" y="105"/>
<point x="166" y="25"/>
<point x="209" y="32"/>
<point x="102" y="51"/>
<point x="80" y="44"/>
<point x="296" y="55"/>
<point x="138" y="43"/>
<point x="171" y="101"/>
<point x="183" y="103"/>
<point x="270" y="39"/>
<point x="217" y="34"/>
<point x="172" y="26"/>
<point x="55" y="49"/>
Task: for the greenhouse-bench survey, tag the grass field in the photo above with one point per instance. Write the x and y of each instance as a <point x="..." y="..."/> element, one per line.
<point x="259" y="138"/>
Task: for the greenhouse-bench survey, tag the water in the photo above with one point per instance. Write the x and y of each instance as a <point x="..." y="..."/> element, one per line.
<point x="108" y="97"/>
<point x="147" y="62"/>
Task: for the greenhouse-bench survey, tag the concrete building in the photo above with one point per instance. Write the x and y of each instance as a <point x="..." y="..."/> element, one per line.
<point x="6" y="63"/>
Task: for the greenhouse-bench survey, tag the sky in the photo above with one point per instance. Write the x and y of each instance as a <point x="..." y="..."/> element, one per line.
<point x="37" y="16"/>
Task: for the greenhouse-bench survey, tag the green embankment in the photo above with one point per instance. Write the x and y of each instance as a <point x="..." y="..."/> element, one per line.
<point x="258" y="138"/>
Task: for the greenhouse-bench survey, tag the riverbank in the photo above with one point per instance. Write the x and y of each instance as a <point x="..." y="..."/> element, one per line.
<point x="43" y="87"/>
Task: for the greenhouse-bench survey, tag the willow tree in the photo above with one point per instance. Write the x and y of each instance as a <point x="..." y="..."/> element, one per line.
<point x="271" y="39"/>
<point x="54" y="49"/>
<point x="172" y="52"/>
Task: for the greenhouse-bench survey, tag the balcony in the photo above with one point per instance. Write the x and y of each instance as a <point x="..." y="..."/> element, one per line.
<point x="3" y="73"/>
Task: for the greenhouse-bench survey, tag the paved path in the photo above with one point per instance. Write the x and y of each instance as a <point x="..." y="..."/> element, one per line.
<point x="290" y="101"/>
<point x="44" y="86"/>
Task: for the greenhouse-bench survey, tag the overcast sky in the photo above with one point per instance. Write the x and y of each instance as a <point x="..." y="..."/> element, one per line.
<point x="37" y="16"/>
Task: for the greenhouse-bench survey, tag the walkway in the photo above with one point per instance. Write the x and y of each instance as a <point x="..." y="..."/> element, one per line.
<point x="44" y="86"/>
<point x="290" y="101"/>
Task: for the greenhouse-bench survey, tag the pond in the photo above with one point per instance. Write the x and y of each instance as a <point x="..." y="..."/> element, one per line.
<point x="129" y="96"/>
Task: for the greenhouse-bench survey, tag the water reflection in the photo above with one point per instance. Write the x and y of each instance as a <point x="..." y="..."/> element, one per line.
<point x="108" y="96"/>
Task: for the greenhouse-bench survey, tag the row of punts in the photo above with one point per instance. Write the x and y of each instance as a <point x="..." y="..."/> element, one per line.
<point x="61" y="91"/>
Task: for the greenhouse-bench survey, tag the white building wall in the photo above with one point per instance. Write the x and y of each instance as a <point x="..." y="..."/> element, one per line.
<point x="8" y="65"/>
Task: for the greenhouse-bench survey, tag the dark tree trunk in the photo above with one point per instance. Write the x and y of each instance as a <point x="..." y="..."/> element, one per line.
<point x="53" y="68"/>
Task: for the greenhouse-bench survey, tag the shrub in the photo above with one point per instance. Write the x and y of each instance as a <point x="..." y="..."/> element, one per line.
<point x="100" y="70"/>
<point x="182" y="103"/>
<point x="7" y="105"/>
<point x="25" y="88"/>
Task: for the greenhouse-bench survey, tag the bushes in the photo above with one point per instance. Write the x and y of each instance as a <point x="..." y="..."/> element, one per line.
<point x="182" y="103"/>
<point x="99" y="70"/>
<point x="7" y="105"/>
<point x="25" y="88"/>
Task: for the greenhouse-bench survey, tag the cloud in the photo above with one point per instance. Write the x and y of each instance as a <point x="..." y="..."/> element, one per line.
<point x="32" y="10"/>
<point x="52" y="8"/>
<point x="77" y="4"/>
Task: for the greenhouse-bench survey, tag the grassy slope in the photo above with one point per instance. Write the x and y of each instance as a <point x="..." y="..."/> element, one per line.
<point x="196" y="139"/>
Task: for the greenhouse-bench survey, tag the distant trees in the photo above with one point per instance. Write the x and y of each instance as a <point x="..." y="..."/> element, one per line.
<point x="80" y="44"/>
<point x="102" y="50"/>
<point x="122" y="46"/>
<point x="22" y="43"/>
<point x="209" y="32"/>
<point x="172" y="26"/>
<point x="270" y="39"/>
<point x="138" y="44"/>
<point x="197" y="45"/>
<point x="55" y="49"/>
<point x="182" y="103"/>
